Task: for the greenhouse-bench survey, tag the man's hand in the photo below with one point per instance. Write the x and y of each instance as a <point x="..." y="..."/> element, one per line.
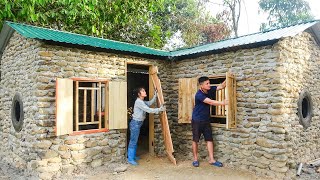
<point x="226" y="102"/>
<point x="221" y="86"/>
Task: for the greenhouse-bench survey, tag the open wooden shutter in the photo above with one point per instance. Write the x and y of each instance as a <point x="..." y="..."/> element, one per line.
<point x="117" y="99"/>
<point x="187" y="89"/>
<point x="163" y="115"/>
<point x="232" y="97"/>
<point x="64" y="106"/>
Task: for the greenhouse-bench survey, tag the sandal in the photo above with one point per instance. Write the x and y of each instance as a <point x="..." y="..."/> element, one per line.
<point x="217" y="163"/>
<point x="195" y="163"/>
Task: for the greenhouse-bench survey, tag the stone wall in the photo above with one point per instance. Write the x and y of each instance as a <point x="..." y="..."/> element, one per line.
<point x="268" y="139"/>
<point x="31" y="67"/>
<point x="260" y="141"/>
<point x="300" y="60"/>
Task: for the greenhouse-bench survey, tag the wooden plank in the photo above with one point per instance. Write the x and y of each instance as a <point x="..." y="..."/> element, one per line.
<point x="218" y="116"/>
<point x="91" y="131"/>
<point x="99" y="104"/>
<point x="231" y="96"/>
<point x="106" y="107"/>
<point x="218" y="125"/>
<point x="77" y="105"/>
<point x="90" y="79"/>
<point x="92" y="103"/>
<point x="217" y="76"/>
<point x="223" y="112"/>
<point x="117" y="105"/>
<point x="187" y="89"/>
<point x="86" y="123"/>
<point x="88" y="88"/>
<point x="163" y="116"/>
<point x="85" y="106"/>
<point x="219" y="99"/>
<point x="64" y="106"/>
<point x="235" y="102"/>
<point x="151" y="119"/>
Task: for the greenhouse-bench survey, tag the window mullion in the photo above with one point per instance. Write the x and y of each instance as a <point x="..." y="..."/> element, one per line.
<point x="92" y="103"/>
<point x="99" y="104"/>
<point x="77" y="105"/>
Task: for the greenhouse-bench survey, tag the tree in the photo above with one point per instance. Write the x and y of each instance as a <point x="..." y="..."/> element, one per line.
<point x="283" y="13"/>
<point x="145" y="22"/>
<point x="235" y="9"/>
<point x="230" y="15"/>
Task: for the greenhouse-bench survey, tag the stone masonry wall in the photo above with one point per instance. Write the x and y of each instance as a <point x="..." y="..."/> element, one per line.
<point x="260" y="141"/>
<point x="300" y="70"/>
<point x="31" y="67"/>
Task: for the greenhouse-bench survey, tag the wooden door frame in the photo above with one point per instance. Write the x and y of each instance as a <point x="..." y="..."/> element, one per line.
<point x="151" y="116"/>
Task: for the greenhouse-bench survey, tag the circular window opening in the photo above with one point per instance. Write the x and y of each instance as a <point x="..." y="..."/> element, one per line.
<point x="17" y="112"/>
<point x="305" y="108"/>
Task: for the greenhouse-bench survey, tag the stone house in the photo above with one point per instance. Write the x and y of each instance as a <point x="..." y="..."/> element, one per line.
<point x="64" y="99"/>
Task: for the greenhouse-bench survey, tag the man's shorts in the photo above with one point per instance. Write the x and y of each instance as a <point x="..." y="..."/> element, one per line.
<point x="199" y="128"/>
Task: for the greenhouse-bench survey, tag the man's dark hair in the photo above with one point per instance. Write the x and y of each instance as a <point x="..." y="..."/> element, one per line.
<point x="202" y="79"/>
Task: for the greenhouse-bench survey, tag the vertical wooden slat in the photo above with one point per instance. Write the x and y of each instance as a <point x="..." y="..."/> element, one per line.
<point x="85" y="105"/>
<point x="234" y="124"/>
<point x="92" y="103"/>
<point x="106" y="107"/>
<point x="64" y="106"/>
<point x="223" y="113"/>
<point x="151" y="119"/>
<point x="231" y="96"/>
<point x="77" y="105"/>
<point x="99" y="104"/>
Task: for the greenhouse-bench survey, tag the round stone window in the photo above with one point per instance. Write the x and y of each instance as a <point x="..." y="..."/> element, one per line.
<point x="17" y="112"/>
<point x="305" y="108"/>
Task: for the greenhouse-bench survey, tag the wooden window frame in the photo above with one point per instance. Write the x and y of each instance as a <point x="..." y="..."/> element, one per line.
<point x="228" y="111"/>
<point x="115" y="110"/>
<point x="93" y="110"/>
<point x="186" y="103"/>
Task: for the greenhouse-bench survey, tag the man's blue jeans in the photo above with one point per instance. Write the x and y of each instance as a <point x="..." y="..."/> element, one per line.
<point x="134" y="132"/>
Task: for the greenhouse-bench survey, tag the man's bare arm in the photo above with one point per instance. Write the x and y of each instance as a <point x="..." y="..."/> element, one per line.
<point x="214" y="102"/>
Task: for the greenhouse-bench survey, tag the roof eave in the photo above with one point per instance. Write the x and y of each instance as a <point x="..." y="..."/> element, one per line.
<point x="5" y="36"/>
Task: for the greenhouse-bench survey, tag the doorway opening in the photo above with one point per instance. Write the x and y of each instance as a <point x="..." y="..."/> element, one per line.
<point x="138" y="76"/>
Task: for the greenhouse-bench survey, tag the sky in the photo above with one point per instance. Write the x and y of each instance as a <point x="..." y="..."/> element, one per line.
<point x="250" y="19"/>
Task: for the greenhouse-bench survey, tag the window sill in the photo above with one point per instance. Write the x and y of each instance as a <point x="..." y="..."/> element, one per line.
<point x="91" y="131"/>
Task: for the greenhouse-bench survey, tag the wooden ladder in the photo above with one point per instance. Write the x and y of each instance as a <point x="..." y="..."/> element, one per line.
<point x="163" y="115"/>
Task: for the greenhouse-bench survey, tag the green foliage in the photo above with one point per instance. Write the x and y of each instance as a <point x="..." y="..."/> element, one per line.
<point x="146" y="22"/>
<point x="284" y="13"/>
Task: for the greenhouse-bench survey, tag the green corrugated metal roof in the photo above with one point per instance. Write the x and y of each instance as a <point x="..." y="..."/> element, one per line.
<point x="248" y="41"/>
<point x="252" y="39"/>
<point x="34" y="32"/>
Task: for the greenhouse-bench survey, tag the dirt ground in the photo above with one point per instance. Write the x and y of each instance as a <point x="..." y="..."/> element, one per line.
<point x="149" y="168"/>
<point x="160" y="168"/>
